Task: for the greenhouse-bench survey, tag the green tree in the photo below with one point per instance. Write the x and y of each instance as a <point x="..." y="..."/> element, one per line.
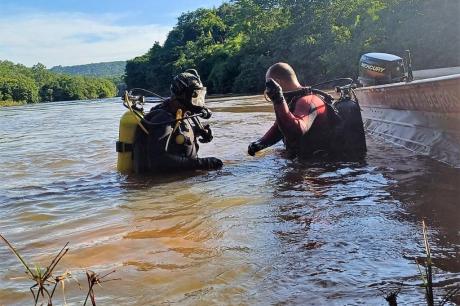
<point x="19" y="83"/>
<point x="234" y="44"/>
<point x="18" y="88"/>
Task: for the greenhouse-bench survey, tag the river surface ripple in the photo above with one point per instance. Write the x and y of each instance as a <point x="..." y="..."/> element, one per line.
<point x="263" y="230"/>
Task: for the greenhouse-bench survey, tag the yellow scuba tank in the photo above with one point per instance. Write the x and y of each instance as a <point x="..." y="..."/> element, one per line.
<point x="128" y="125"/>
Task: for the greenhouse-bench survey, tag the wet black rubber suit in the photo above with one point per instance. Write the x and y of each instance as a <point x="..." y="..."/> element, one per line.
<point x="167" y="149"/>
<point x="313" y="128"/>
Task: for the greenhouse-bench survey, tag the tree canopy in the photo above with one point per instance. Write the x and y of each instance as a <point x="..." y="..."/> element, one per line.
<point x="36" y="84"/>
<point x="107" y="69"/>
<point x="232" y="45"/>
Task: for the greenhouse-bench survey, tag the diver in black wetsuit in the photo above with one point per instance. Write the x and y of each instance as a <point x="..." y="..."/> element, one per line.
<point x="173" y="146"/>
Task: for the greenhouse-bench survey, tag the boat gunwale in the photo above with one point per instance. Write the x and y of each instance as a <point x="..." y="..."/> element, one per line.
<point x="411" y="83"/>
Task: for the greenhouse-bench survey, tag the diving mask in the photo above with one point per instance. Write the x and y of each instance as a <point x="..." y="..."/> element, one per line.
<point x="198" y="97"/>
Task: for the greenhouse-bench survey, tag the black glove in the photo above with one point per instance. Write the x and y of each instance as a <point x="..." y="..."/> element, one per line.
<point x="274" y="91"/>
<point x="209" y="163"/>
<point x="255" y="147"/>
<point x="206" y="134"/>
<point x="205" y="113"/>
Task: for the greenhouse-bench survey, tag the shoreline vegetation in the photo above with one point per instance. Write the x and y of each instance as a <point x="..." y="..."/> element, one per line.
<point x="20" y="85"/>
<point x="11" y="103"/>
<point x="105" y="69"/>
<point x="233" y="44"/>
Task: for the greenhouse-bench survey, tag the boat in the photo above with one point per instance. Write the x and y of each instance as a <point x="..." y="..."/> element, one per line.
<point x="419" y="111"/>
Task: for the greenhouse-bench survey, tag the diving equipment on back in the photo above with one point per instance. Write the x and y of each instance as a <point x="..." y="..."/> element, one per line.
<point x="311" y="122"/>
<point x="129" y="122"/>
<point x="344" y="139"/>
<point x="165" y="139"/>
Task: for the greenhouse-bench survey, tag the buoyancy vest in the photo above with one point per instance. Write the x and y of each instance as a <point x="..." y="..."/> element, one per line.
<point x="341" y="138"/>
<point x="162" y="139"/>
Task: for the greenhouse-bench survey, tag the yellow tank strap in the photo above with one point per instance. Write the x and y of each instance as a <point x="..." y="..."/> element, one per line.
<point x="179" y="117"/>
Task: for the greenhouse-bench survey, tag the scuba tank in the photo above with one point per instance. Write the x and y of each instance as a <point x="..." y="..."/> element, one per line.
<point x="349" y="139"/>
<point x="127" y="130"/>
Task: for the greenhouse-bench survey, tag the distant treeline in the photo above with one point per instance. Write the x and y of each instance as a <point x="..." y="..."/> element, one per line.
<point x="232" y="45"/>
<point x="107" y="69"/>
<point x="37" y="84"/>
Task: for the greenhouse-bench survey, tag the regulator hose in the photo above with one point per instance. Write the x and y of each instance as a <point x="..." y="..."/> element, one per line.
<point x="312" y="89"/>
<point x="154" y="124"/>
<point x="147" y="91"/>
<point x="145" y="124"/>
<point x="349" y="80"/>
<point x="138" y="117"/>
<point x="305" y="91"/>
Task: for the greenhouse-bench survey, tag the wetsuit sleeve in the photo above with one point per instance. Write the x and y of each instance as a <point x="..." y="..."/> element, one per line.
<point x="168" y="161"/>
<point x="272" y="136"/>
<point x="297" y="123"/>
<point x="172" y="162"/>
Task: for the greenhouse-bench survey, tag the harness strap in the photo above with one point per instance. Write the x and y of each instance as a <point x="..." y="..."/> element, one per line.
<point x="123" y="147"/>
<point x="332" y="112"/>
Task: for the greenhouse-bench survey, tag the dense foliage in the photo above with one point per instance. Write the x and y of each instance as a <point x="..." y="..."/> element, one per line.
<point x="110" y="70"/>
<point x="19" y="83"/>
<point x="107" y="69"/>
<point x="234" y="44"/>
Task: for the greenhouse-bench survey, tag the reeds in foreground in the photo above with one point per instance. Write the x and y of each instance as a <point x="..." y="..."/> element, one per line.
<point x="93" y="279"/>
<point x="425" y="268"/>
<point x="427" y="277"/>
<point x="42" y="277"/>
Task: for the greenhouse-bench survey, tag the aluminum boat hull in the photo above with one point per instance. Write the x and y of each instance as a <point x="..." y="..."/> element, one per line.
<point x="422" y="115"/>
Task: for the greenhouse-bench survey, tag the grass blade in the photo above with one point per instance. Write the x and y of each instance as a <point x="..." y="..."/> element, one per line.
<point x="17" y="254"/>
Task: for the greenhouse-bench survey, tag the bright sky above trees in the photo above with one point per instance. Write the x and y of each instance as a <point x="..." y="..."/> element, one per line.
<point x="71" y="32"/>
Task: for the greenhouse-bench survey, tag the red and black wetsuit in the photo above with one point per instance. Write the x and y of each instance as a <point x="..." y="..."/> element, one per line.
<point x="304" y="115"/>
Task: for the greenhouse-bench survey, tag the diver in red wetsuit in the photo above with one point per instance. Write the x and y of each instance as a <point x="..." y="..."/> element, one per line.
<point x="306" y="124"/>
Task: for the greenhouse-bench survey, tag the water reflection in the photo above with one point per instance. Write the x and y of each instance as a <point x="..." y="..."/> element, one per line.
<point x="263" y="230"/>
<point x="428" y="190"/>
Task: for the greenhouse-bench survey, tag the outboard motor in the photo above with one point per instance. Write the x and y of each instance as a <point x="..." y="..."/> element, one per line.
<point x="380" y="68"/>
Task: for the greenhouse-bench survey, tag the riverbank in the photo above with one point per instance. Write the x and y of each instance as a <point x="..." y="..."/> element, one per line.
<point x="37" y="84"/>
<point x="11" y="103"/>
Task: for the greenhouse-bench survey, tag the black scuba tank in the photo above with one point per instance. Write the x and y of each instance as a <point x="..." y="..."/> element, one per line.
<point x="349" y="141"/>
<point x="344" y="139"/>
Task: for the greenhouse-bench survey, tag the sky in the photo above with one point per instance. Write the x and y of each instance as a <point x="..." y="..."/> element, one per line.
<point x="73" y="32"/>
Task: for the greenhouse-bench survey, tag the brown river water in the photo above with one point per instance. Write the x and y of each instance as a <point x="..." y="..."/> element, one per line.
<point x="264" y="230"/>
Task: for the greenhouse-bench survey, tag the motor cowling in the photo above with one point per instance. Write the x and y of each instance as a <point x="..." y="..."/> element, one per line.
<point x="380" y="68"/>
